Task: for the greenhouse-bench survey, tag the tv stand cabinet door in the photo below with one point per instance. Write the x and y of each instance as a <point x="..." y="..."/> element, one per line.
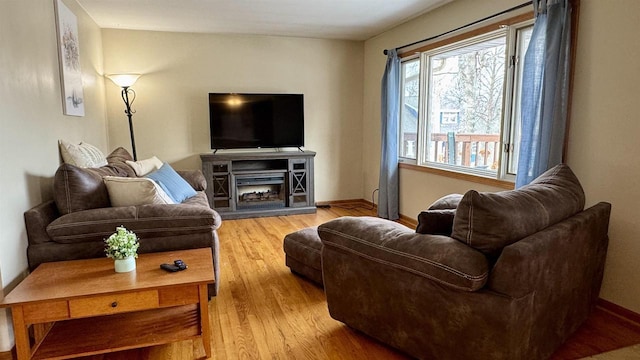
<point x="301" y="182"/>
<point x="219" y="185"/>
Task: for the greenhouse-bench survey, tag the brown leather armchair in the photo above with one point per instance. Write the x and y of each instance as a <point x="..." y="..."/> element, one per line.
<point x="518" y="274"/>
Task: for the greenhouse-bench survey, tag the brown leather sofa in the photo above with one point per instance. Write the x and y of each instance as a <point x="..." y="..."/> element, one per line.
<point x="518" y="273"/>
<point x="75" y="224"/>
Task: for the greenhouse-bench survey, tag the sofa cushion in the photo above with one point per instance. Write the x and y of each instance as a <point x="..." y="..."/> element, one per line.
<point x="490" y="221"/>
<point x="118" y="158"/>
<point x="195" y="178"/>
<point x="172" y="183"/>
<point x="82" y="155"/>
<point x="77" y="189"/>
<point x="439" y="258"/>
<point x="147" y="221"/>
<point x="199" y="199"/>
<point x="126" y="191"/>
<point x="143" y="167"/>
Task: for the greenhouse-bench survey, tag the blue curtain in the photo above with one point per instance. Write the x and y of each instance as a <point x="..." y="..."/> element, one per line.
<point x="545" y="90"/>
<point x="390" y="116"/>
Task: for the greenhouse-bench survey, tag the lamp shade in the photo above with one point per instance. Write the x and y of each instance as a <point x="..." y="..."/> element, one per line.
<point x="124" y="80"/>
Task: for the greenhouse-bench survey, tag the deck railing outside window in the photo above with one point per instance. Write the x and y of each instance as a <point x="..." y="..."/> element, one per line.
<point x="469" y="150"/>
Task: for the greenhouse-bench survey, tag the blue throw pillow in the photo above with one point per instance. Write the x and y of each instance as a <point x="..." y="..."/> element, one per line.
<point x="172" y="183"/>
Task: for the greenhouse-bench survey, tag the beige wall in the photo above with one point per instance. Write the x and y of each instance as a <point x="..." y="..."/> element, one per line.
<point x="604" y="125"/>
<point x="180" y="69"/>
<point x="32" y="121"/>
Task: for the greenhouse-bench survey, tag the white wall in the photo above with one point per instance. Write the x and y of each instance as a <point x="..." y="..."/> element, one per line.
<point x="180" y="69"/>
<point x="31" y="120"/>
<point x="603" y="133"/>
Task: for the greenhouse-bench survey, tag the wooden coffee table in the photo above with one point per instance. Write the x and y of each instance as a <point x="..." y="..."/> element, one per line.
<point x="83" y="307"/>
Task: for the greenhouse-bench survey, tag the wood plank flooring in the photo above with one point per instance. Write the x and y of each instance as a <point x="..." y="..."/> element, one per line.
<point x="263" y="311"/>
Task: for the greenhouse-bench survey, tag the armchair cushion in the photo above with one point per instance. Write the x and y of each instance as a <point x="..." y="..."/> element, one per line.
<point x="438" y="219"/>
<point x="439" y="258"/>
<point x="490" y="221"/>
<point x="436" y="222"/>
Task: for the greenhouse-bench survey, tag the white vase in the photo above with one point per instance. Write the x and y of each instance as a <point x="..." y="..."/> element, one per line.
<point x="125" y="265"/>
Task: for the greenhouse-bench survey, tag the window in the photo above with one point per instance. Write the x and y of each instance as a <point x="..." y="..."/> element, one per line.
<point x="410" y="85"/>
<point x="460" y="103"/>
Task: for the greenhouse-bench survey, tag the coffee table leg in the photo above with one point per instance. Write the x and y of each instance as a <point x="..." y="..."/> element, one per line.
<point x="204" y="316"/>
<point x="21" y="333"/>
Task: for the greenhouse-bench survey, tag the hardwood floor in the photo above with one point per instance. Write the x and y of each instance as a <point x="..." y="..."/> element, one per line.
<point x="263" y="311"/>
<point x="602" y="332"/>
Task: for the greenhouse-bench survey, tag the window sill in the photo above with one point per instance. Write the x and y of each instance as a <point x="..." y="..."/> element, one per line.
<point x="460" y="176"/>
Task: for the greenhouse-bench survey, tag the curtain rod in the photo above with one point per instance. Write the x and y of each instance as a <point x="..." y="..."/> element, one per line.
<point x="464" y="26"/>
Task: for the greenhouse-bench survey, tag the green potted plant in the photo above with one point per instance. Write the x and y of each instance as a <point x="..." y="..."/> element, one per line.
<point x="122" y="246"/>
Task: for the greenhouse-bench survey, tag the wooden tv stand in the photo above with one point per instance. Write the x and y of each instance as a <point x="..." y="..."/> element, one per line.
<point x="254" y="184"/>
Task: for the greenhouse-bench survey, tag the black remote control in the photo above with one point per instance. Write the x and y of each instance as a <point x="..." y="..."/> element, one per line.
<point x="178" y="265"/>
<point x="169" y="267"/>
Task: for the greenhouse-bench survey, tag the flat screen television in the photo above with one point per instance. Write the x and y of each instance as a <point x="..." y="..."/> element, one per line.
<point x="239" y="121"/>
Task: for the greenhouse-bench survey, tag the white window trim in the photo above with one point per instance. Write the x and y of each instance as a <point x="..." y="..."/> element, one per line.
<point x="510" y="97"/>
<point x="402" y="159"/>
<point x="508" y="105"/>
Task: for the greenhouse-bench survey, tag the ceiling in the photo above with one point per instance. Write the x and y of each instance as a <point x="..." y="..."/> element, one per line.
<point x="331" y="19"/>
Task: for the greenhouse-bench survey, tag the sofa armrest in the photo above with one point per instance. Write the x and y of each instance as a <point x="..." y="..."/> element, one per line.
<point x="439" y="258"/>
<point x="37" y="219"/>
<point x="566" y="257"/>
<point x="195" y="178"/>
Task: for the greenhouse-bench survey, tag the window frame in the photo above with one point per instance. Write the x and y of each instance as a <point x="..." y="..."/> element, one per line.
<point x="425" y="116"/>
<point x="513" y="97"/>
<point x="402" y="102"/>
<point x="509" y="28"/>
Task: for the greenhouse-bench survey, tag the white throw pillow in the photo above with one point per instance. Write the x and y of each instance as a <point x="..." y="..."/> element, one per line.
<point x="143" y="167"/>
<point x="82" y="155"/>
<point x="124" y="191"/>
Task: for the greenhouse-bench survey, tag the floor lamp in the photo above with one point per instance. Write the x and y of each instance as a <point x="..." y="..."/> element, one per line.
<point x="128" y="96"/>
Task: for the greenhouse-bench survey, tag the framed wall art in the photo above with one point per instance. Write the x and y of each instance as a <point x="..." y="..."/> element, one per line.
<point x="69" y="58"/>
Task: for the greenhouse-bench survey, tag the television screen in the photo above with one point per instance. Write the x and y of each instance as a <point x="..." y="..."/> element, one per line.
<point x="256" y="120"/>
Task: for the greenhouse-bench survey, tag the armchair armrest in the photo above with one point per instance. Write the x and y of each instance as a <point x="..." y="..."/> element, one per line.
<point x="195" y="178"/>
<point x="566" y="257"/>
<point x="447" y="202"/>
<point x="439" y="258"/>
